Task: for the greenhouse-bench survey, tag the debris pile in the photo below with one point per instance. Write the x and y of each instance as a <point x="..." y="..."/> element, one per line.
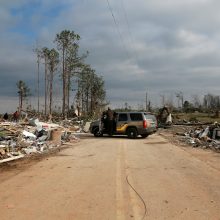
<point x="205" y="137"/>
<point x="164" y="117"/>
<point x="32" y="136"/>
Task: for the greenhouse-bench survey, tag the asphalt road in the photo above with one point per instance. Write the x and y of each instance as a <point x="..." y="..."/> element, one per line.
<point x="116" y="179"/>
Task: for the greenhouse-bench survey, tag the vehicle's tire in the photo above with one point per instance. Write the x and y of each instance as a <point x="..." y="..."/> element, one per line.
<point x="144" y="135"/>
<point x="97" y="133"/>
<point x="132" y="133"/>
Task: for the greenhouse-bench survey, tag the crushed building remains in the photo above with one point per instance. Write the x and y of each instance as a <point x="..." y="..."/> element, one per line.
<point x="18" y="139"/>
<point x="202" y="136"/>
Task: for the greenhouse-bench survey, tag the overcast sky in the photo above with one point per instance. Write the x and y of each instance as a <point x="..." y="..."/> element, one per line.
<point x="157" y="46"/>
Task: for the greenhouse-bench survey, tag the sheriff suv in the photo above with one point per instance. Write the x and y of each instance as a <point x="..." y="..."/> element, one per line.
<point x="131" y="124"/>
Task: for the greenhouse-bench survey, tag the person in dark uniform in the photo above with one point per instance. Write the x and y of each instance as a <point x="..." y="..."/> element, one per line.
<point x="114" y="121"/>
<point x="5" y="117"/>
<point x="110" y="121"/>
<point x="104" y="122"/>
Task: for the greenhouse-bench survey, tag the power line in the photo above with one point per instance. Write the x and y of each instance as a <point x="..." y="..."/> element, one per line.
<point x="117" y="27"/>
<point x="129" y="30"/>
<point x="133" y="43"/>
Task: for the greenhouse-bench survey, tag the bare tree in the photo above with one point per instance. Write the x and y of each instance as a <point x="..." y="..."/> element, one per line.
<point x="45" y="56"/>
<point x="23" y="92"/>
<point x="38" y="52"/>
<point x="66" y="40"/>
<point x="91" y="92"/>
<point x="53" y="60"/>
<point x="211" y="102"/>
<point x="196" y="101"/>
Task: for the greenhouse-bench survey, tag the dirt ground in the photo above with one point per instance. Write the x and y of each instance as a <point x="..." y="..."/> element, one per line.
<point x="114" y="178"/>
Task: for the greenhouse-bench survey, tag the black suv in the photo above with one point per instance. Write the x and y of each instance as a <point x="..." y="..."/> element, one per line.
<point x="131" y="124"/>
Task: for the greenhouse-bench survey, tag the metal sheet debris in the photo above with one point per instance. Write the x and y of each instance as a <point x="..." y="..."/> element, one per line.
<point x="205" y="137"/>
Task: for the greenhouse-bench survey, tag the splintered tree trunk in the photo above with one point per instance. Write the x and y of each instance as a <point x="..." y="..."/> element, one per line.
<point x="92" y="103"/>
<point x="22" y="96"/>
<point x="78" y="99"/>
<point x="82" y="100"/>
<point x="45" y="79"/>
<point x="20" y="101"/>
<point x="68" y="92"/>
<point x="51" y="92"/>
<point x="64" y="85"/>
<point x="87" y="101"/>
<point x="63" y="106"/>
<point x="38" y="81"/>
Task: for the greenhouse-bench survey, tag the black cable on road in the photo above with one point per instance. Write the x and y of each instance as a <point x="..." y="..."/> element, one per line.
<point x="145" y="207"/>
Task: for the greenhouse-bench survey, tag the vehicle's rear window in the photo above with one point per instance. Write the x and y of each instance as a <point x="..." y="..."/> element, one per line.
<point x="149" y="116"/>
<point x="136" y="117"/>
<point x="122" y="117"/>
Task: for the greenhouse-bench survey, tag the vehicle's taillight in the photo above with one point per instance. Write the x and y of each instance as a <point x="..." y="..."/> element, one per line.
<point x="145" y="124"/>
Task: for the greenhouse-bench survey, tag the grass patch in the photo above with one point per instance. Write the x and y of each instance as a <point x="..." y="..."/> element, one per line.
<point x="196" y="116"/>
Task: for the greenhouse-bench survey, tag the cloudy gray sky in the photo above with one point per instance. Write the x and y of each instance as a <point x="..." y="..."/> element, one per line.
<point x="157" y="46"/>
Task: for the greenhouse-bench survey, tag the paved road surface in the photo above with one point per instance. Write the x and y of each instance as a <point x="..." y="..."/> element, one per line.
<point x="115" y="179"/>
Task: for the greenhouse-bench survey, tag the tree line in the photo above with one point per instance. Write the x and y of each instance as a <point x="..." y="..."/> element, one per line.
<point x="209" y="103"/>
<point x="65" y="59"/>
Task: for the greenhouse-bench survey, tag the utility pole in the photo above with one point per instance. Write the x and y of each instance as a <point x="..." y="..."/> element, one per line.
<point x="179" y="95"/>
<point x="146" y="102"/>
<point x="163" y="99"/>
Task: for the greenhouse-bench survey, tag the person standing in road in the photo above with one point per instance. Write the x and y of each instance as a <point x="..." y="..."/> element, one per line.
<point x="110" y="121"/>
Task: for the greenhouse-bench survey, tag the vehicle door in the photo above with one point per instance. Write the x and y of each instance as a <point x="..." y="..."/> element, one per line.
<point x="122" y="123"/>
